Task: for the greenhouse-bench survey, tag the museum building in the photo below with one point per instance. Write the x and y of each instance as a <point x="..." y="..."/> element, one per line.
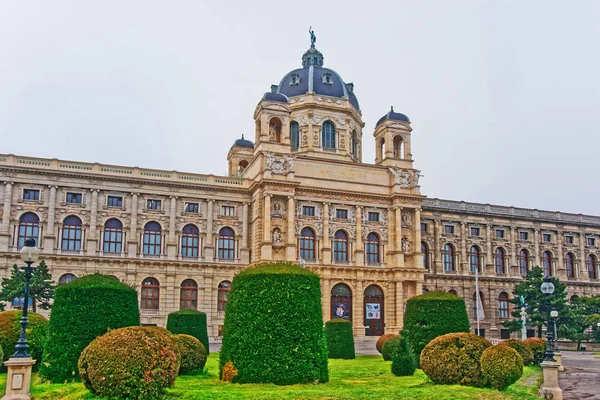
<point x="301" y="193"/>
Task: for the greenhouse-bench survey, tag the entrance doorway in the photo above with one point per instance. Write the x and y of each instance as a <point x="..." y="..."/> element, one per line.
<point x="374" y="320"/>
<point x="341" y="302"/>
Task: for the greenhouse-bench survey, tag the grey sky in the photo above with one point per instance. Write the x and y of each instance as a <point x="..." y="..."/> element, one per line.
<point x="504" y="97"/>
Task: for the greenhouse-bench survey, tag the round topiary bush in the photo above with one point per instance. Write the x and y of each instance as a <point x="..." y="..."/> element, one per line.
<point x="382" y="339"/>
<point x="521" y="348"/>
<point x="340" y="339"/>
<point x="403" y="359"/>
<point x="130" y="363"/>
<point x="538" y="348"/>
<point x="10" y="328"/>
<point x="189" y="322"/>
<point x="454" y="359"/>
<point x="193" y="354"/>
<point x="389" y="346"/>
<point x="84" y="309"/>
<point x="273" y="330"/>
<point x="501" y="366"/>
<point x="431" y="315"/>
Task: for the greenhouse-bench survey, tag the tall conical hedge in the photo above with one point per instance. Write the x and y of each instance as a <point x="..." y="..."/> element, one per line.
<point x="431" y="315"/>
<point x="84" y="309"/>
<point x="273" y="330"/>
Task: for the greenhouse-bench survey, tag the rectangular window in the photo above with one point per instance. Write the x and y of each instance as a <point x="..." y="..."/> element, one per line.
<point x="474" y="231"/>
<point x="373" y="216"/>
<point x="74" y="198"/>
<point x="228" y="211"/>
<point x="569" y="239"/>
<point x="31" y="194"/>
<point x="191" y="208"/>
<point x="423" y="227"/>
<point x="341" y="214"/>
<point x="530" y="333"/>
<point x="500" y="233"/>
<point x="449" y="229"/>
<point x="114" y="201"/>
<point x="504" y="334"/>
<point x="152" y="204"/>
<point x="546" y="237"/>
<point x="523" y="235"/>
<point x="591" y="241"/>
<point x="308" y="211"/>
<point x="481" y="332"/>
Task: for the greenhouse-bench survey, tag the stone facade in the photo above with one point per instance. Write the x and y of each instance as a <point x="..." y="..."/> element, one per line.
<point x="299" y="193"/>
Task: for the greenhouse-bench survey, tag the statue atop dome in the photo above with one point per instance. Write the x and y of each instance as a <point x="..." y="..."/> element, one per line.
<point x="313" y="37"/>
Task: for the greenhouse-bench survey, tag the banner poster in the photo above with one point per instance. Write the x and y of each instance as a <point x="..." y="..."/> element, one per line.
<point x="341" y="309"/>
<point x="373" y="310"/>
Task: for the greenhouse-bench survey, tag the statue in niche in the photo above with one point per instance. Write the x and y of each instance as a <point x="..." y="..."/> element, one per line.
<point x="277" y="237"/>
<point x="405" y="245"/>
<point x="272" y="132"/>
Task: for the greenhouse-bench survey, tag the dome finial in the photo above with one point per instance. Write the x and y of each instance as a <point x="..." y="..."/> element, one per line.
<point x="392" y="109"/>
<point x="242" y="136"/>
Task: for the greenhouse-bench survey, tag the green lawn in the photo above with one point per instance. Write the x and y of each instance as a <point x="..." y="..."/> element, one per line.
<point x="367" y="377"/>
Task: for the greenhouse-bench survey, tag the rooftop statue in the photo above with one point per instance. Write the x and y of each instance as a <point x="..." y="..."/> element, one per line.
<point x="313" y="38"/>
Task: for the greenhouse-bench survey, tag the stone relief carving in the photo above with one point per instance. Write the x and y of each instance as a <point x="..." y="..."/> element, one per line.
<point x="278" y="208"/>
<point x="407" y="179"/>
<point x="277" y="238"/>
<point x="302" y="119"/>
<point x="280" y="165"/>
<point x="407" y="220"/>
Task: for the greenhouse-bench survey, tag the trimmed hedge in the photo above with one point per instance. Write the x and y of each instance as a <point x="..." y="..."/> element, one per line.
<point x="454" y="359"/>
<point x="382" y="339"/>
<point x="521" y="348"/>
<point x="538" y="347"/>
<point x="431" y="315"/>
<point x="189" y="322"/>
<point x="193" y="354"/>
<point x="83" y="310"/>
<point x="273" y="329"/>
<point x="501" y="366"/>
<point x="10" y="328"/>
<point x="136" y="362"/>
<point x="403" y="359"/>
<point x="389" y="346"/>
<point x="340" y="339"/>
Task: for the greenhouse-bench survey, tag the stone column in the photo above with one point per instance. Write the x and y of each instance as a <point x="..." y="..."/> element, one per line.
<point x="488" y="251"/>
<point x="464" y="263"/>
<point x="437" y="245"/>
<point x="358" y="319"/>
<point x="310" y="132"/>
<point x="326" y="249"/>
<point x="513" y="249"/>
<point x="132" y="243"/>
<point x="326" y="299"/>
<point x="399" y="305"/>
<point x="290" y="248"/>
<point x="581" y="266"/>
<point x="92" y="241"/>
<point x="266" y="249"/>
<point x="359" y="252"/>
<point x="561" y="271"/>
<point x="4" y="229"/>
<point x="395" y="242"/>
<point x="244" y="250"/>
<point x="536" y="246"/>
<point x="49" y="234"/>
<point x="209" y="247"/>
<point x="417" y="243"/>
<point x="172" y="239"/>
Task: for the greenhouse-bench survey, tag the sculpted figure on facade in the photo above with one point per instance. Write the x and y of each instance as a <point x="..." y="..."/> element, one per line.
<point x="279" y="165"/>
<point x="277" y="237"/>
<point x="405" y="244"/>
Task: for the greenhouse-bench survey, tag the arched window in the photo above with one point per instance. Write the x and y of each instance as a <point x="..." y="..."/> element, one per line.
<point x="499" y="261"/>
<point x="113" y="236"/>
<point x="226" y="244"/>
<point x="523" y="262"/>
<point x="372" y="245"/>
<point x="573" y="299"/>
<point x="190" y="238"/>
<point x="152" y="239"/>
<point x="188" y="295"/>
<point x="150" y="294"/>
<point x="382" y="148"/>
<point x="475" y="304"/>
<point x="222" y="295"/>
<point x="66" y="278"/>
<point x="475" y="259"/>
<point x="341" y="301"/>
<point x="425" y="251"/>
<point x="71" y="234"/>
<point x="398" y="147"/>
<point x="242" y="166"/>
<point x="452" y="291"/>
<point x="307" y="244"/>
<point x="340" y="246"/>
<point x="570" y="265"/>
<point x="503" y="305"/>
<point x="295" y="135"/>
<point x="547" y="263"/>
<point x="328" y="135"/>
<point x="592" y="266"/>
<point x="29" y="228"/>
<point x="354" y="144"/>
<point x="448" y="257"/>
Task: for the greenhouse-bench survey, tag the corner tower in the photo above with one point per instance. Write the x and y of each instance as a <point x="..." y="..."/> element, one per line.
<point x="392" y="140"/>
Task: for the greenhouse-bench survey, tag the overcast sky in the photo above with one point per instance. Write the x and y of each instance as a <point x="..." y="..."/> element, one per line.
<point x="504" y="96"/>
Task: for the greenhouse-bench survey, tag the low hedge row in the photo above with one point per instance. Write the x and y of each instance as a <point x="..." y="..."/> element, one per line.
<point x="340" y="339"/>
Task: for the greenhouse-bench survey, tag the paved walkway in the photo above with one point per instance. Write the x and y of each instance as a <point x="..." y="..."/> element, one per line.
<point x="581" y="378"/>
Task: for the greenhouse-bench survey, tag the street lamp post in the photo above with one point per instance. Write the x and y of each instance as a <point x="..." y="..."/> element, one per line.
<point x="554" y="315"/>
<point x="19" y="365"/>
<point x="549" y="388"/>
<point x="548" y="288"/>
